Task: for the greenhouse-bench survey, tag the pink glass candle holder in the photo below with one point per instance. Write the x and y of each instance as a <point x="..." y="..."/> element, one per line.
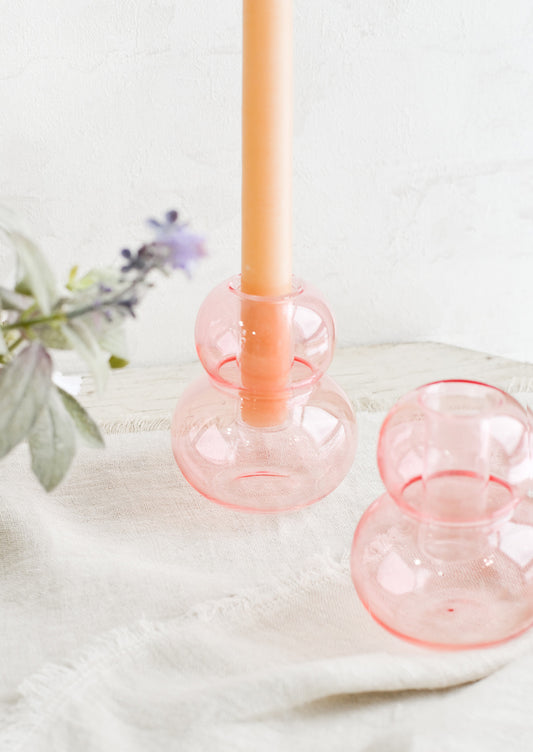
<point x="257" y="443"/>
<point x="445" y="557"/>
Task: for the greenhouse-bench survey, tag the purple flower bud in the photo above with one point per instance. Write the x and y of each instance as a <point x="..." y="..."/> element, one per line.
<point x="171" y="216"/>
<point x="186" y="249"/>
<point x="175" y="246"/>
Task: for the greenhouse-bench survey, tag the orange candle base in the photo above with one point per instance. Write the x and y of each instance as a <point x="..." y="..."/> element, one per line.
<point x="265" y="360"/>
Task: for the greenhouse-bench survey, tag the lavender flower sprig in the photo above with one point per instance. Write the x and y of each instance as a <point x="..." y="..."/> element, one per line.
<point x="116" y="292"/>
<point x="87" y="315"/>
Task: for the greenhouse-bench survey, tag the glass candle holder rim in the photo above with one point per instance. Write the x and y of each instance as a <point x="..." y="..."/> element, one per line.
<point x="424" y="396"/>
<point x="492" y="520"/>
<point x="298" y="287"/>
<point x="292" y="391"/>
<point x="415" y="395"/>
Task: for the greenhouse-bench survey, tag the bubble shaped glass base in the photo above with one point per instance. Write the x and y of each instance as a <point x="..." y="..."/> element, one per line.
<point x="445" y="588"/>
<point x="266" y="430"/>
<point x="266" y="469"/>
<point x="445" y="558"/>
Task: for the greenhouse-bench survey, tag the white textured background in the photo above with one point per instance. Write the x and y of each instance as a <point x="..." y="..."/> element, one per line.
<point x="413" y="155"/>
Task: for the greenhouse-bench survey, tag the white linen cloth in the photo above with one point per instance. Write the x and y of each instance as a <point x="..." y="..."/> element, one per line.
<point x="137" y="616"/>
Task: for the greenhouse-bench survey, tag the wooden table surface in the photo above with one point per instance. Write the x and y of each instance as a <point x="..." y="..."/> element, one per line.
<point x="375" y="376"/>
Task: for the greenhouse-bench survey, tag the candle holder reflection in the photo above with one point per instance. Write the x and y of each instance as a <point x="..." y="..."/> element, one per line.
<point x="445" y="557"/>
<point x="266" y="429"/>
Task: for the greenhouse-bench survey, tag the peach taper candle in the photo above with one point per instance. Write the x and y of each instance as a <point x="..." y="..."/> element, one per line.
<point x="266" y="207"/>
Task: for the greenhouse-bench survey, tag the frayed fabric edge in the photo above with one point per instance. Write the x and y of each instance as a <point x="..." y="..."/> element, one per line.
<point x="41" y="695"/>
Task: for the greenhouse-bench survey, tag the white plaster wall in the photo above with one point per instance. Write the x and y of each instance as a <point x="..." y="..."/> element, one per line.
<point x="413" y="155"/>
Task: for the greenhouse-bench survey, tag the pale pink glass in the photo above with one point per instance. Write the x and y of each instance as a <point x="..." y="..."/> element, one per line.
<point x="279" y="467"/>
<point x="445" y="558"/>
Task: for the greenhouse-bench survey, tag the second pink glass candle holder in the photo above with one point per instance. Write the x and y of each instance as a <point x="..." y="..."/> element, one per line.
<point x="223" y="443"/>
<point x="445" y="557"/>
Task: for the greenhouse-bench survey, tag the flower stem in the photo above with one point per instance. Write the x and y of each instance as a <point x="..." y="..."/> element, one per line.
<point x="15" y="344"/>
<point x="61" y="316"/>
<point x="28" y="323"/>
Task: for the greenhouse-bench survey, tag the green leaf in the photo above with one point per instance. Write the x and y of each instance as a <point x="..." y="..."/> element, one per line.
<point x="24" y="387"/>
<point x="52" y="442"/>
<point x="76" y="284"/>
<point x="22" y="288"/>
<point x="115" y="362"/>
<point x="34" y="275"/>
<point x="12" y="301"/>
<point x="71" y="284"/>
<point x="3" y="346"/>
<point x="51" y="336"/>
<point x="85" y="425"/>
<point x="113" y="340"/>
<point x="86" y="345"/>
